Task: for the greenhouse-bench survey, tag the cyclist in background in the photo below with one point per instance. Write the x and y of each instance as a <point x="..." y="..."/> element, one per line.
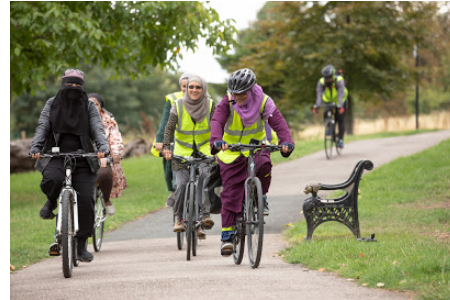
<point x="71" y="122"/>
<point x="158" y="143"/>
<point x="331" y="88"/>
<point x="111" y="179"/>
<point x="240" y="117"/>
<point x="190" y="122"/>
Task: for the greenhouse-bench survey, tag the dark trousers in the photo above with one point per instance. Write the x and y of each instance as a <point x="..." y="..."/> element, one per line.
<point x="83" y="181"/>
<point x="168" y="174"/>
<point x="340" y="120"/>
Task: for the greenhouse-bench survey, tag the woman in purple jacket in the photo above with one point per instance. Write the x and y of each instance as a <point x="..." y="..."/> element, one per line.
<point x="240" y="117"/>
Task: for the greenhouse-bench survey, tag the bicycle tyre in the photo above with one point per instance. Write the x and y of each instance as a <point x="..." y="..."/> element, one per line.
<point x="239" y="241"/>
<point x="99" y="225"/>
<point x="190" y="220"/>
<point x="180" y="240"/>
<point x="67" y="234"/>
<point x="255" y="223"/>
<point x="328" y="139"/>
<point x="75" y="253"/>
<point x="196" y="207"/>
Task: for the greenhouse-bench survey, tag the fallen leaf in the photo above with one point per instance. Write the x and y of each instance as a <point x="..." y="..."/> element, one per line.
<point x="403" y="281"/>
<point x="365" y="284"/>
<point x="321" y="270"/>
<point x="380" y="284"/>
<point x="11" y="267"/>
<point x="361" y="255"/>
<point x="24" y="267"/>
<point x="350" y="279"/>
<point x="395" y="262"/>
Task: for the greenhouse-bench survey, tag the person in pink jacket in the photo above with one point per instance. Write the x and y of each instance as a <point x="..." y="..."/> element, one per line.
<point x="111" y="179"/>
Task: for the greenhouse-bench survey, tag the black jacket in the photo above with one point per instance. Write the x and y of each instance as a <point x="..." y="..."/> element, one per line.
<point x="44" y="138"/>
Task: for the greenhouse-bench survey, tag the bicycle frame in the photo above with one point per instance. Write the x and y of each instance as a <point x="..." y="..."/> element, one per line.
<point x="68" y="187"/>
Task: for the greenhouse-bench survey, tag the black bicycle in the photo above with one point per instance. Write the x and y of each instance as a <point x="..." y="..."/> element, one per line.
<point x="252" y="221"/>
<point x="67" y="216"/>
<point x="191" y="206"/>
<point x="331" y="137"/>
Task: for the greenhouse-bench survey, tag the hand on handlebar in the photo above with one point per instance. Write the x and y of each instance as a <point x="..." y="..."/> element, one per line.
<point x="315" y="109"/>
<point x="167" y="154"/>
<point x="100" y="154"/>
<point x="158" y="146"/>
<point x="221" y="145"/>
<point x="36" y="155"/>
<point x="287" y="147"/>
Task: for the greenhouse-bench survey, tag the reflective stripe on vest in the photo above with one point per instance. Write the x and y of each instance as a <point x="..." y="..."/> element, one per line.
<point x="174" y="96"/>
<point x="235" y="132"/>
<point x="331" y="95"/>
<point x="187" y="132"/>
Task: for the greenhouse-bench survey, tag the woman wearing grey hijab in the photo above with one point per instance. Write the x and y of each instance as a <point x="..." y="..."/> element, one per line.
<point x="193" y="114"/>
<point x="158" y="143"/>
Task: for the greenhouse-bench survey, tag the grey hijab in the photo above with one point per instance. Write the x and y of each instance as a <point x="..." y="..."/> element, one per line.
<point x="197" y="109"/>
<point x="185" y="75"/>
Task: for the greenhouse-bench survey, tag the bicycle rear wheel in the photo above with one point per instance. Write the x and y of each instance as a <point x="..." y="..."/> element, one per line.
<point x="255" y="222"/>
<point x="68" y="242"/>
<point x="239" y="241"/>
<point x="328" y="140"/>
<point x="190" y="220"/>
<point x="99" y="223"/>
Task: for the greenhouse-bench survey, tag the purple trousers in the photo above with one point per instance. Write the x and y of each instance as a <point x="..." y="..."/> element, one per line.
<point x="233" y="178"/>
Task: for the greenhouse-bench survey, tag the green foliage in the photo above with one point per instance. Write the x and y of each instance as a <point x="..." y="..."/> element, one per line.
<point x="371" y="41"/>
<point x="404" y="203"/>
<point x="132" y="37"/>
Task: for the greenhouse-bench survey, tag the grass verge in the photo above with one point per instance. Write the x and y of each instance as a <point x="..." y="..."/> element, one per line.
<point x="407" y="204"/>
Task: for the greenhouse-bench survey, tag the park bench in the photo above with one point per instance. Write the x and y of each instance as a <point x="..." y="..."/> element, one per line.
<point x="343" y="209"/>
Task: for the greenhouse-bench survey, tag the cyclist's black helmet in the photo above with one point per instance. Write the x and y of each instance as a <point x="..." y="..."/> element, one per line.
<point x="241" y="81"/>
<point x="328" y="71"/>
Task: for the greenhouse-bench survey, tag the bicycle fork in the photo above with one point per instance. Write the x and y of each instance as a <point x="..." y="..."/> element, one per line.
<point x="75" y="212"/>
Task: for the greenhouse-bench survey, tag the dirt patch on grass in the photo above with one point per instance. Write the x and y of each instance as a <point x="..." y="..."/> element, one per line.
<point x="441" y="237"/>
<point x="427" y="205"/>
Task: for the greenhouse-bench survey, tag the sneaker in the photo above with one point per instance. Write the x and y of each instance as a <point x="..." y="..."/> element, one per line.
<point x="340" y="143"/>
<point x="54" y="250"/>
<point x="109" y="207"/>
<point x="266" y="206"/>
<point x="170" y="200"/>
<point x="46" y="212"/>
<point x="208" y="223"/>
<point x="179" y="227"/>
<point x="201" y="234"/>
<point x="226" y="249"/>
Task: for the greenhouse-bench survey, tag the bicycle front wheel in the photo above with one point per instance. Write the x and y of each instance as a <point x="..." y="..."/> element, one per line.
<point x="180" y="240"/>
<point x="190" y="220"/>
<point x="336" y="139"/>
<point x="329" y="139"/>
<point x="255" y="222"/>
<point x="68" y="242"/>
<point x="99" y="223"/>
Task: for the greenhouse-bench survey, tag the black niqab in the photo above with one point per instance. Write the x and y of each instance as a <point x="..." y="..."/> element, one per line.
<point x="69" y="111"/>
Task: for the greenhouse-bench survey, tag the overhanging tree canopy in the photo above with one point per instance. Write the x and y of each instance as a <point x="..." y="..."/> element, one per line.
<point x="47" y="37"/>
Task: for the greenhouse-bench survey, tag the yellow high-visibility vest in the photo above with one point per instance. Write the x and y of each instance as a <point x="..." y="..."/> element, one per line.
<point x="235" y="132"/>
<point x="188" y="132"/>
<point x="331" y="94"/>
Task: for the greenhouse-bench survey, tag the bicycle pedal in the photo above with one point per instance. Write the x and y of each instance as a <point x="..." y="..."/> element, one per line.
<point x="54" y="250"/>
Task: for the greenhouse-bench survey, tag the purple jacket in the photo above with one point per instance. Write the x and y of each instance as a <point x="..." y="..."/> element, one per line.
<point x="276" y="121"/>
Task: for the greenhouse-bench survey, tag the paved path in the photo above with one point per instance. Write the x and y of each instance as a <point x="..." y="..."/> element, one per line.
<point x="141" y="261"/>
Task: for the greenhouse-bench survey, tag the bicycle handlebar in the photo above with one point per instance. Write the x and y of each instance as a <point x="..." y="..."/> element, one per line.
<point x="239" y="147"/>
<point x="192" y="160"/>
<point x="67" y="154"/>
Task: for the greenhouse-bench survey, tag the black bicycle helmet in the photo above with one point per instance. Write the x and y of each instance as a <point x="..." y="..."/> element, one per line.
<point x="328" y="71"/>
<point x="241" y="81"/>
